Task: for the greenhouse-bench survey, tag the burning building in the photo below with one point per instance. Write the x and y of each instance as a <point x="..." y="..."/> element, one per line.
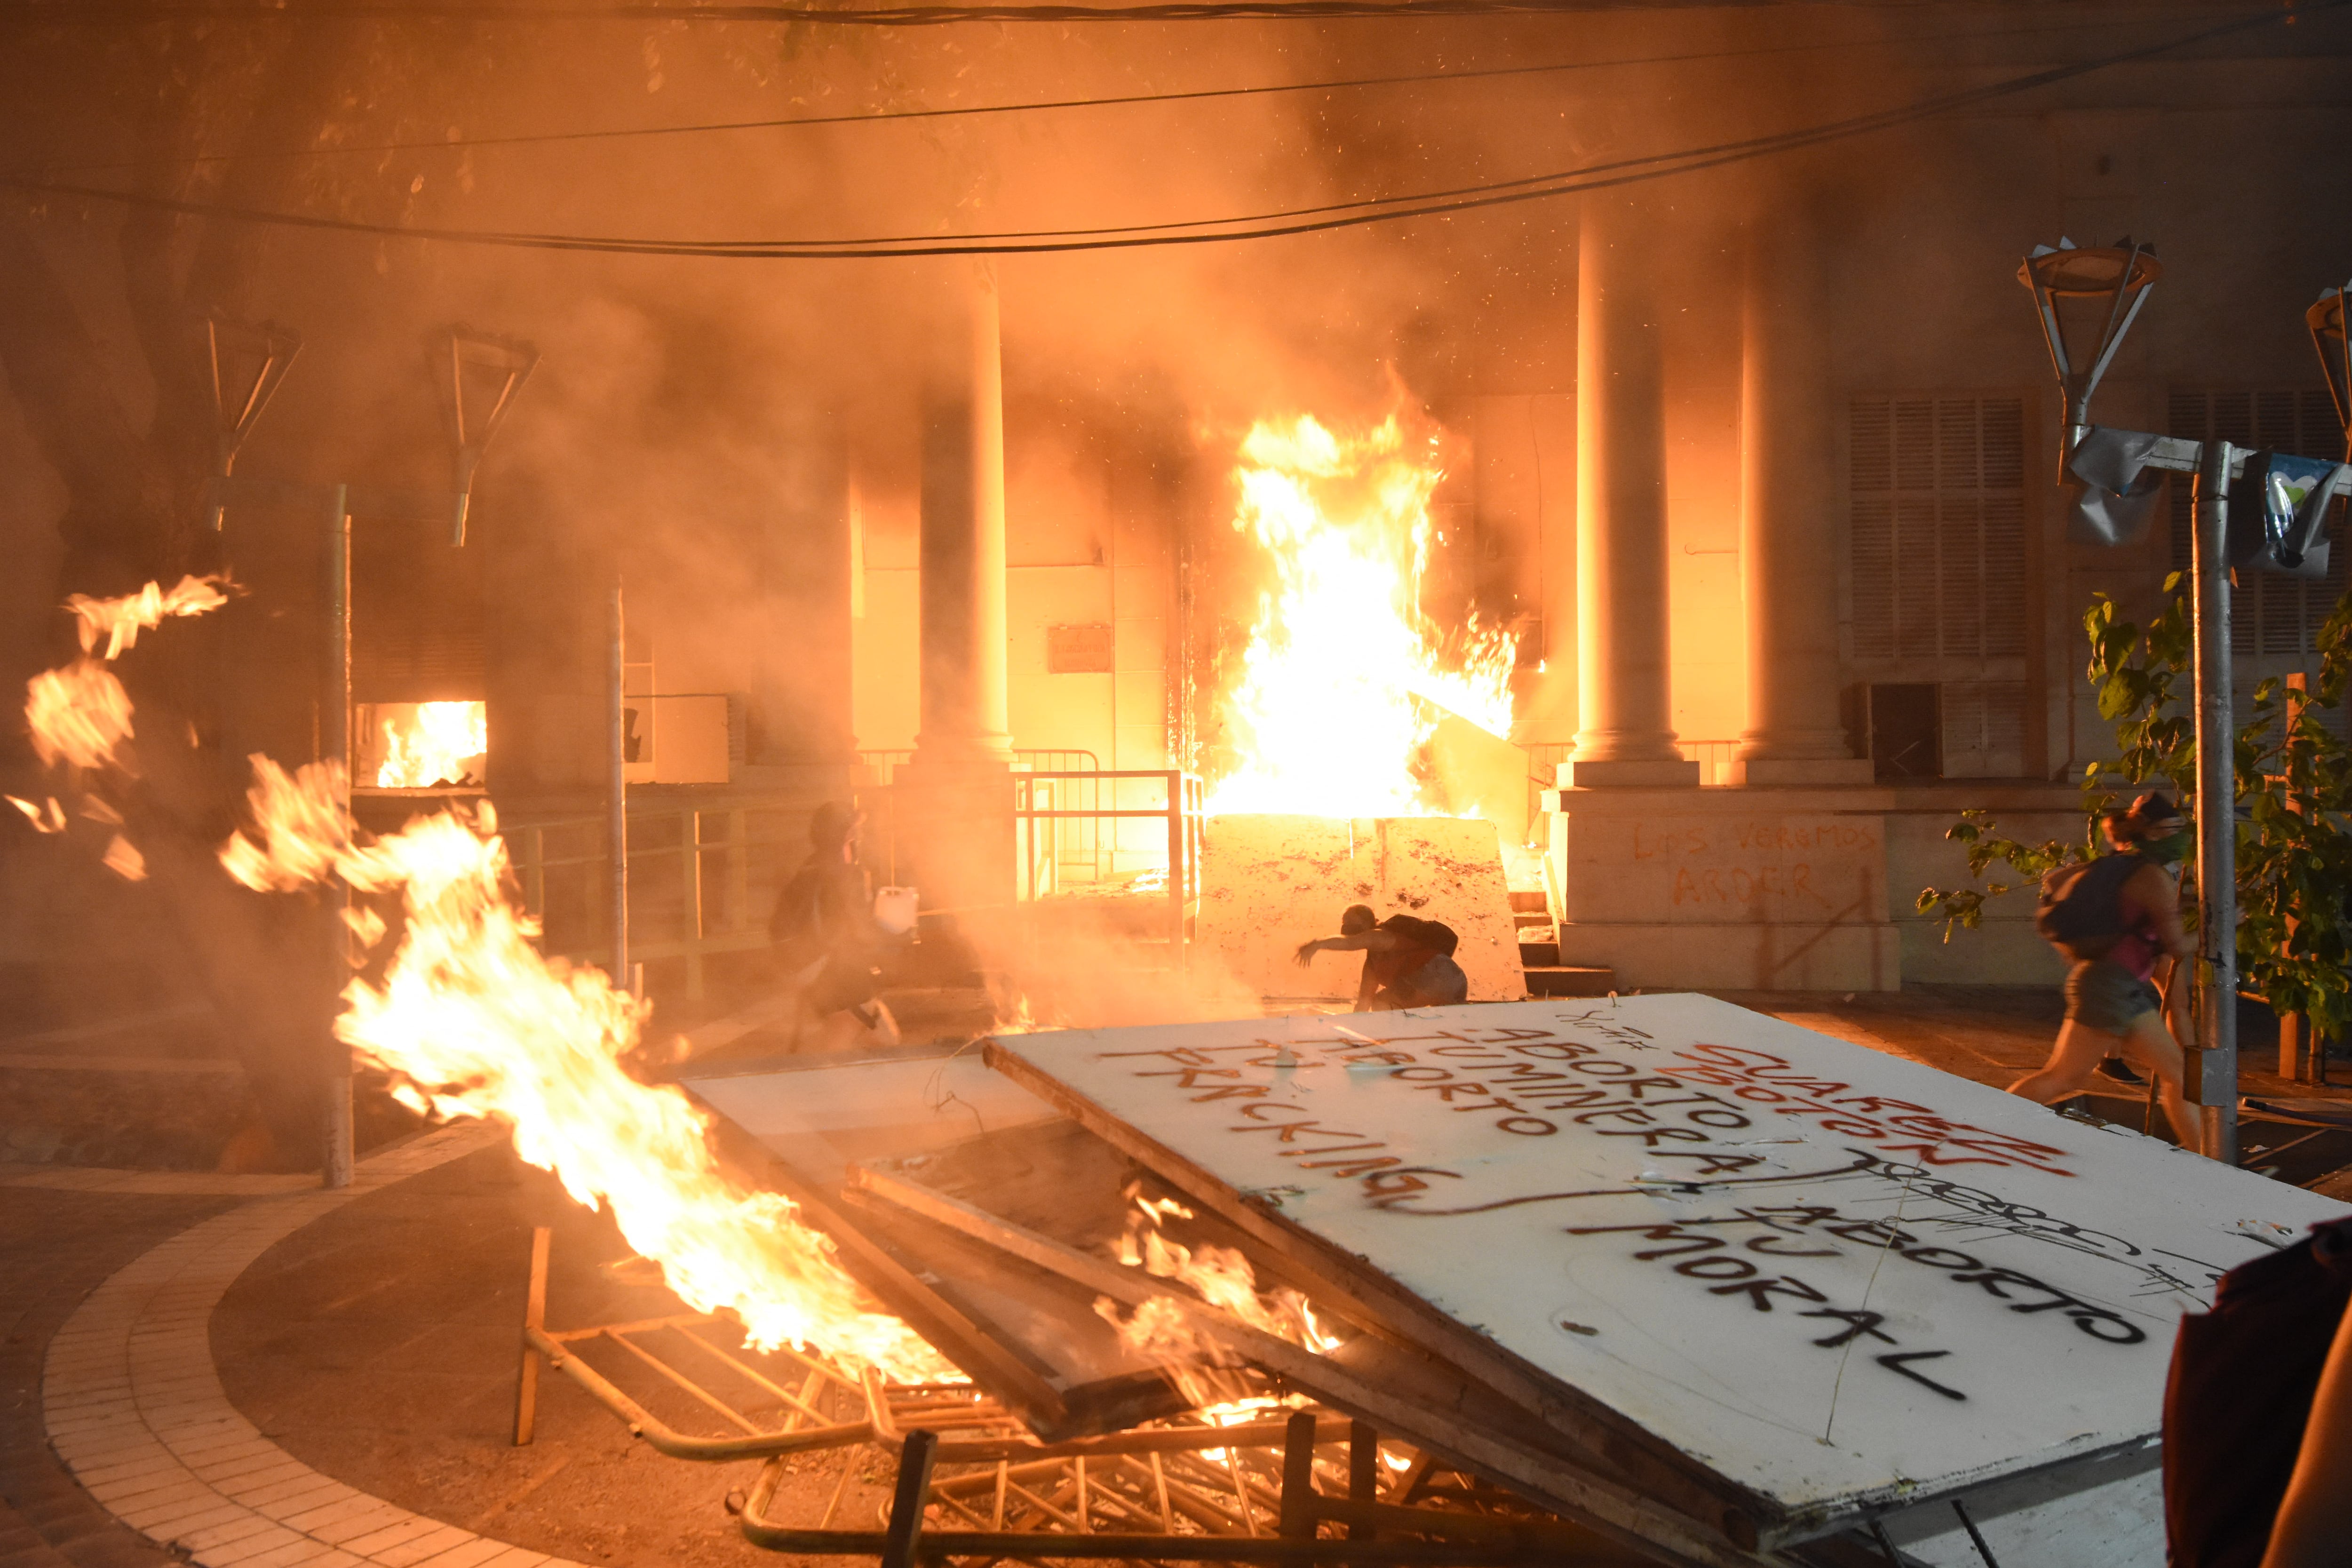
<point x="1690" y="521"/>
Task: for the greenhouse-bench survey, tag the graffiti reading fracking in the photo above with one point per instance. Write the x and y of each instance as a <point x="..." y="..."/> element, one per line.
<point x="1737" y="1229"/>
<point x="1680" y="1106"/>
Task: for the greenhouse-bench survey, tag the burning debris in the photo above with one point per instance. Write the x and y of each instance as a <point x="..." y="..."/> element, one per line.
<point x="471" y="1020"/>
<point x="121" y="620"/>
<point x="80" y="716"/>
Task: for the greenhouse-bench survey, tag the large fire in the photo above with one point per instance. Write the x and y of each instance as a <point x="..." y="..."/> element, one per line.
<point x="472" y="1020"/>
<point x="1344" y="675"/>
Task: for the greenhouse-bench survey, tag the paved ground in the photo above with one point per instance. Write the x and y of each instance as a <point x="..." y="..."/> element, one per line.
<point x="380" y="1344"/>
<point x="55" y="1249"/>
<point x="368" y="1348"/>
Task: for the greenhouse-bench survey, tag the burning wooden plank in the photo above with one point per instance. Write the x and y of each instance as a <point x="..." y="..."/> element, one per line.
<point x="1033" y="1343"/>
<point x="1826" y="1284"/>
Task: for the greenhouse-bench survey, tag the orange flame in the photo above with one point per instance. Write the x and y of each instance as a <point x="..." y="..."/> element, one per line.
<point x="78" y="713"/>
<point x="121" y="620"/>
<point x="52" y="821"/>
<point x="1161" y="1329"/>
<point x="122" y="858"/>
<point x="471" y="1020"/>
<point x="1342" y="668"/>
<point x="444" y="744"/>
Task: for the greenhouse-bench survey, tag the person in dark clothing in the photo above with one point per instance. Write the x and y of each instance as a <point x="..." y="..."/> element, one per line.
<point x="1408" y="962"/>
<point x="2131" y="904"/>
<point x="2258" y="1414"/>
<point x="829" y="945"/>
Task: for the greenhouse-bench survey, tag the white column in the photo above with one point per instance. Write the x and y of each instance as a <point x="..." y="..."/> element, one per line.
<point x="963" y="714"/>
<point x="1787" y="534"/>
<point x="1625" y="734"/>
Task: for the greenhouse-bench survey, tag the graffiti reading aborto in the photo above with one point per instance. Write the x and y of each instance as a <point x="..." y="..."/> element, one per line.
<point x="1818" y="1270"/>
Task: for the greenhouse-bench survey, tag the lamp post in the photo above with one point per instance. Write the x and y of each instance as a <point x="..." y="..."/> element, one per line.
<point x="2119" y="278"/>
<point x="339" y="506"/>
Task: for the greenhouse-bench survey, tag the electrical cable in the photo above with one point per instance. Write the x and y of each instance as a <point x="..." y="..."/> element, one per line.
<point x="86" y="12"/>
<point x="1330" y="216"/>
<point x="885" y="116"/>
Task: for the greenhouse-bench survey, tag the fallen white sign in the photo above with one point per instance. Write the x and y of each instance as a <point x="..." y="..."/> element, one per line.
<point x="1838" y="1280"/>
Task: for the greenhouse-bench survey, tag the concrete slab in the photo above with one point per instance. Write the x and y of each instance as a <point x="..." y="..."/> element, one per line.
<point x="1269" y="882"/>
<point x="1722" y="889"/>
<point x="1841" y="1283"/>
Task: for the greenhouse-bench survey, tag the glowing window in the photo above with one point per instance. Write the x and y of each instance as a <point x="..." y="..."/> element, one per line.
<point x="420" y="746"/>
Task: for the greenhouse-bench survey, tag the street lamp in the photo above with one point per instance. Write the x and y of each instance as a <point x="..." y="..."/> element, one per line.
<point x="2108" y="284"/>
<point x="2116" y="473"/>
<point x="2113" y="467"/>
<point x="237" y="402"/>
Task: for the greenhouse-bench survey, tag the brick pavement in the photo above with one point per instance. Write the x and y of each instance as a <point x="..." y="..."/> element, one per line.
<point x="55" y="1246"/>
<point x="135" y="1408"/>
<point x="132" y="1402"/>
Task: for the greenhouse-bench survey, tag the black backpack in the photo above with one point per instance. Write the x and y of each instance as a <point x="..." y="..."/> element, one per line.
<point x="799" y="915"/>
<point x="2085" y="901"/>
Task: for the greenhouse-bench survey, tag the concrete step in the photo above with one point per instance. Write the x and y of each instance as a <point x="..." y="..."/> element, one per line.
<point x="1531" y="920"/>
<point x="1538" y="954"/>
<point x="1522" y="898"/>
<point x="1571" y="981"/>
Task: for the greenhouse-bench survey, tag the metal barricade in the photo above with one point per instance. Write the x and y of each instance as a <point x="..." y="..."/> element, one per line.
<point x="1036" y="800"/>
<point x="699" y="877"/>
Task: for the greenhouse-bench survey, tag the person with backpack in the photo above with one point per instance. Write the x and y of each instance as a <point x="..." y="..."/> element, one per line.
<point x="2115" y="918"/>
<point x="1408" y="961"/>
<point x="829" y="943"/>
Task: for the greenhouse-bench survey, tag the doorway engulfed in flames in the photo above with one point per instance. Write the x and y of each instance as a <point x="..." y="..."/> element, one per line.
<point x="1345" y="676"/>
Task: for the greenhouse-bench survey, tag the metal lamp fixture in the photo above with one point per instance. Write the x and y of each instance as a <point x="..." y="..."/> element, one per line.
<point x="238" y="401"/>
<point x="500" y="366"/>
<point x="2107" y="283"/>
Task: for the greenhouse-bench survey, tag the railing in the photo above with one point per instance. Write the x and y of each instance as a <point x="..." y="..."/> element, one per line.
<point x="1072" y="850"/>
<point x="705" y="875"/>
<point x="1714" y="759"/>
<point x="702" y="876"/>
<point x="1037" y="817"/>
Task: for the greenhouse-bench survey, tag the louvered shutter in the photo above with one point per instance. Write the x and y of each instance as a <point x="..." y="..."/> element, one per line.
<point x="1939" y="561"/>
<point x="2271" y="616"/>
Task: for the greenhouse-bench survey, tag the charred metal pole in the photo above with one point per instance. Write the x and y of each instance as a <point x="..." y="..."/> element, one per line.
<point x="616" y="783"/>
<point x="2213" y="1075"/>
<point x="335" y="753"/>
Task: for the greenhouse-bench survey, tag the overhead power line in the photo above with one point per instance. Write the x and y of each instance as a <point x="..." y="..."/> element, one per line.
<point x="1259" y="225"/>
<point x="1031" y="106"/>
<point x="86" y="12"/>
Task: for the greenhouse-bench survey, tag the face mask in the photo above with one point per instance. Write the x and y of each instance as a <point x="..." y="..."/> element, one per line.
<point x="2176" y="848"/>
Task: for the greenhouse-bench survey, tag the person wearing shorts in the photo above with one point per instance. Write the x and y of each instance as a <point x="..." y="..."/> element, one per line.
<point x="2112" y="1004"/>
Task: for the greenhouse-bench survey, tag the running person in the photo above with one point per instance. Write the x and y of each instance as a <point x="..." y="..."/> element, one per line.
<point x="2129" y="915"/>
